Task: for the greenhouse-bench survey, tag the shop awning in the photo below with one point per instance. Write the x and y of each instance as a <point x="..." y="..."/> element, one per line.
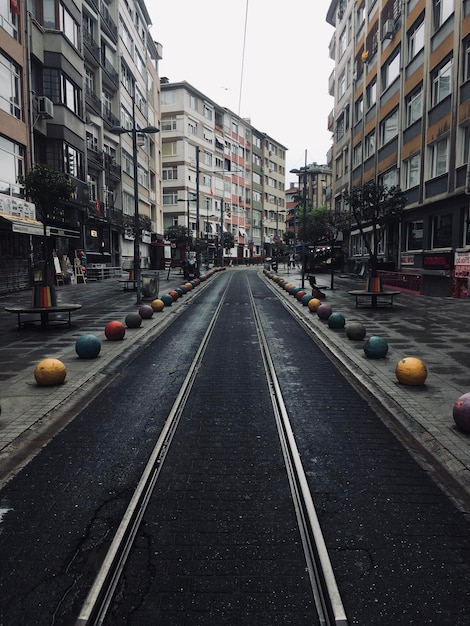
<point x="24" y="225"/>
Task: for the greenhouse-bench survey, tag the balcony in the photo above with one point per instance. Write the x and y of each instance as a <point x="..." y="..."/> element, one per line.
<point x="108" y="23"/>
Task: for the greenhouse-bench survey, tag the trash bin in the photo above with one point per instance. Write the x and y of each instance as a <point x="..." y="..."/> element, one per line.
<point x="150" y="284"/>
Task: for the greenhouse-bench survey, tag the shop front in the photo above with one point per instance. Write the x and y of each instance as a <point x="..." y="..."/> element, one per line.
<point x="461" y="275"/>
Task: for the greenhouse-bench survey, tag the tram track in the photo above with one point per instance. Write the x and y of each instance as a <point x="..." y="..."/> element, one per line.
<point x="324" y="590"/>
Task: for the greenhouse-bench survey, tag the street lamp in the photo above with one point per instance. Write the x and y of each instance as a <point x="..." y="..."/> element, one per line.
<point x="303" y="170"/>
<point x="134" y="131"/>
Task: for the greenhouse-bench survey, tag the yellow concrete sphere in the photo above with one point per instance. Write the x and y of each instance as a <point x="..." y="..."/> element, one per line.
<point x="50" y="372"/>
<point x="286" y="286"/>
<point x="188" y="285"/>
<point x="411" y="371"/>
<point x="313" y="304"/>
<point x="157" y="305"/>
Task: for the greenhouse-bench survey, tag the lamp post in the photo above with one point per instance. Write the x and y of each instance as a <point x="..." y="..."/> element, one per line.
<point x="303" y="170"/>
<point x="119" y="130"/>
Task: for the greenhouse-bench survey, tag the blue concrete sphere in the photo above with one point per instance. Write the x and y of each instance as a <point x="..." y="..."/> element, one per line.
<point x="376" y="347"/>
<point x="88" y="346"/>
<point x="166" y="299"/>
<point x="336" y="320"/>
<point x="306" y="299"/>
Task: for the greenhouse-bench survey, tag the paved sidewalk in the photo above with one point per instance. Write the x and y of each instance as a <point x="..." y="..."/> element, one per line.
<point x="432" y="329"/>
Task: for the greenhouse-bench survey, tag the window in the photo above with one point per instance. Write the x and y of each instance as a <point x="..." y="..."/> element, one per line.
<point x="60" y="89"/>
<point x="358" y="109"/>
<point x="415" y="40"/>
<point x="126" y="36"/>
<point x="192" y="127"/>
<point x="170" y="173"/>
<point x="391" y="71"/>
<point x="357" y="155"/>
<point x="12" y="160"/>
<point x="369" y="147"/>
<point x="438" y="158"/>
<point x="371" y="94"/>
<point x="127" y="163"/>
<point x="127" y="79"/>
<point x="340" y="127"/>
<point x="8" y="19"/>
<point x="412" y="170"/>
<point x="168" y="123"/>
<point x="72" y="161"/>
<point x="441" y="82"/>
<point x="208" y="112"/>
<point x="442" y="10"/>
<point x="192" y="101"/>
<point x="167" y="97"/>
<point x="69" y="27"/>
<point x="389" y="128"/>
<point x="466" y="59"/>
<point x="414" y="235"/>
<point x="442" y="231"/>
<point x="342" y="84"/>
<point x="414" y="106"/>
<point x="207" y="158"/>
<point x="170" y="197"/>
<point x="10" y="87"/>
<point x="464" y="139"/>
<point x="342" y="43"/>
<point x="169" y="148"/>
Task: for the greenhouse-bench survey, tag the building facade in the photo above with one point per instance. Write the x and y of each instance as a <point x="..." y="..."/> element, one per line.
<point x="77" y="70"/>
<point x="220" y="175"/>
<point x="401" y="87"/>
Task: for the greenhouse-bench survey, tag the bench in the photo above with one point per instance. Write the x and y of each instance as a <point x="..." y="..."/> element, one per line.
<point x="42" y="314"/>
<point x="382" y="297"/>
<point x="128" y="283"/>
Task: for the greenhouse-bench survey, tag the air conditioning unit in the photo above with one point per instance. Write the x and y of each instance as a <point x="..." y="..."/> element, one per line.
<point x="388" y="29"/>
<point x="45" y="108"/>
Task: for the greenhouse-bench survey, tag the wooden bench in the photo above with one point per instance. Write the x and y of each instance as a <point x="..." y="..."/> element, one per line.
<point x="128" y="283"/>
<point x="42" y="314"/>
<point x="384" y="298"/>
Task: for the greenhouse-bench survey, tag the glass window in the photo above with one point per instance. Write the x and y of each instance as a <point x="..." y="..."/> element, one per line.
<point x="466" y="59"/>
<point x="8" y="19"/>
<point x="415" y="40"/>
<point x="357" y="155"/>
<point x="414" y="235"/>
<point x="442" y="10"/>
<point x="412" y="169"/>
<point x="69" y="27"/>
<point x="441" y="82"/>
<point x="414" y="106"/>
<point x="12" y="160"/>
<point x="391" y="71"/>
<point x="389" y="127"/>
<point x="371" y="93"/>
<point x="442" y="231"/>
<point x="438" y="158"/>
<point x="370" y="145"/>
<point x="10" y="87"/>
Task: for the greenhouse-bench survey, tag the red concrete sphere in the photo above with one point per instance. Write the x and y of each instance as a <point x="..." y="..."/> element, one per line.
<point x="300" y="294"/>
<point x="174" y="294"/>
<point x="114" y="330"/>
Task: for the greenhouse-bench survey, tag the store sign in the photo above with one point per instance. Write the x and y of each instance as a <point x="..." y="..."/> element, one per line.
<point x="16" y="207"/>
<point x="462" y="264"/>
<point x="407" y="259"/>
<point x="438" y="261"/>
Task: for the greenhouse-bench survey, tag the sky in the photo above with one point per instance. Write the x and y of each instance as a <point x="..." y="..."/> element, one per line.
<point x="266" y="61"/>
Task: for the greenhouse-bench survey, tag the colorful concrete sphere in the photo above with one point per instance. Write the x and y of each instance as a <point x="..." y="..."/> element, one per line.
<point x="50" y="372"/>
<point x="411" y="371"/>
<point x="376" y="347"/>
<point x="88" y="346"/>
<point x="166" y="299"/>
<point x="461" y="412"/>
<point x="355" y="331"/>
<point x="313" y="304"/>
<point x="179" y="291"/>
<point x="157" y="305"/>
<point x="133" y="320"/>
<point x="336" y="320"/>
<point x="114" y="330"/>
<point x="306" y="299"/>
<point x="189" y="286"/>
<point x="146" y="311"/>
<point x="300" y="294"/>
<point x="184" y="289"/>
<point x="174" y="294"/>
<point x="324" y="311"/>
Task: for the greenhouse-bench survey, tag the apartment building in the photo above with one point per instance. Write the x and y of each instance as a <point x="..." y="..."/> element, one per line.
<point x="219" y="175"/>
<point x="77" y="71"/>
<point x="401" y="117"/>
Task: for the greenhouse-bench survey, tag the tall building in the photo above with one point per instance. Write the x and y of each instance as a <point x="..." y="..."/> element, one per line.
<point x="401" y="118"/>
<point x="220" y="175"/>
<point x="73" y="72"/>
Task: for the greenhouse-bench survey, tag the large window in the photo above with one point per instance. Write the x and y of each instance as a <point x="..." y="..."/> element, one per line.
<point x="371" y="93"/>
<point x="414" y="106"/>
<point x="389" y="127"/>
<point x="442" y="231"/>
<point x="369" y="147"/>
<point x="438" y="158"/>
<point x="10" y="87"/>
<point x="414" y="235"/>
<point x="12" y="160"/>
<point x="442" y="10"/>
<point x="466" y="59"/>
<point x="69" y="27"/>
<point x="412" y="171"/>
<point x="415" y="40"/>
<point x="170" y="173"/>
<point x="391" y="70"/>
<point x="8" y="19"/>
<point x="441" y="80"/>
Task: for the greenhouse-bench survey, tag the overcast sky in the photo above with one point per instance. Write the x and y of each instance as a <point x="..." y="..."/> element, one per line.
<point x="284" y="86"/>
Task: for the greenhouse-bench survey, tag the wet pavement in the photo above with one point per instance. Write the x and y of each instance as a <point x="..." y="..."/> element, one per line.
<point x="431" y="329"/>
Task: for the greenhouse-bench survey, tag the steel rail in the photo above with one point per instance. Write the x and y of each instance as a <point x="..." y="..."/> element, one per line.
<point x="322" y="579"/>
<point x="100" y="595"/>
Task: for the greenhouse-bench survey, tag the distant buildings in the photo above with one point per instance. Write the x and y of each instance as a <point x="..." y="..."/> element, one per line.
<point x="401" y="87"/>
